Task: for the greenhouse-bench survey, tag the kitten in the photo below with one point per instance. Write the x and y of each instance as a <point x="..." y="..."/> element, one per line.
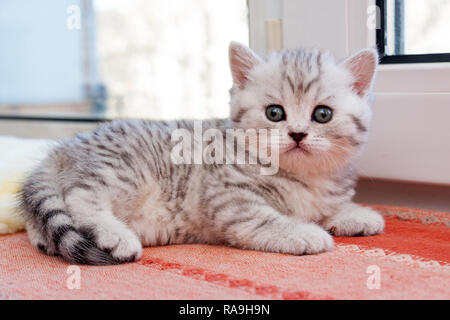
<point x="101" y="196"/>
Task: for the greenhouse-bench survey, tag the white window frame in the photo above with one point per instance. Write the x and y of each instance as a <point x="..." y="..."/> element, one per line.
<point x="410" y="136"/>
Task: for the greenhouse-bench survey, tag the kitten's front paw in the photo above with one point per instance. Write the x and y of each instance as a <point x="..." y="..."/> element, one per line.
<point x="355" y="221"/>
<point x="122" y="243"/>
<point x="309" y="239"/>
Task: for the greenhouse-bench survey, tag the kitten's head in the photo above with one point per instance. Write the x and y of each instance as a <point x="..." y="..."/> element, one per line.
<point x="321" y="106"/>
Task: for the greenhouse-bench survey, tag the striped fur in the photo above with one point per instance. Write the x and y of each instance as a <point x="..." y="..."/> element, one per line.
<point x="101" y="196"/>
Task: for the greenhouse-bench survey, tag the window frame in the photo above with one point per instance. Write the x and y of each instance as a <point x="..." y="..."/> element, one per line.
<point x="254" y="31"/>
<point x="403" y="58"/>
<point x="406" y="150"/>
<point x="55" y="118"/>
<point x="91" y="90"/>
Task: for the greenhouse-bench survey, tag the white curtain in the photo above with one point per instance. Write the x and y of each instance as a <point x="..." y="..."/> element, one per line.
<point x="168" y="59"/>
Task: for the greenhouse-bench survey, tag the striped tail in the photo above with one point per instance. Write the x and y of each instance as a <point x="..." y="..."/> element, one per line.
<point x="50" y="226"/>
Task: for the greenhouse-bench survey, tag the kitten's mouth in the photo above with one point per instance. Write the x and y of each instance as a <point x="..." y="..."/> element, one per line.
<point x="297" y="148"/>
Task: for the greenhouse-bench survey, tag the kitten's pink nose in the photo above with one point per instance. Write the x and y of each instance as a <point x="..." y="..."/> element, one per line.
<point x="297" y="136"/>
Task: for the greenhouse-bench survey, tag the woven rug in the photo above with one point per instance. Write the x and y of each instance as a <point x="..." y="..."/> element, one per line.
<point x="411" y="260"/>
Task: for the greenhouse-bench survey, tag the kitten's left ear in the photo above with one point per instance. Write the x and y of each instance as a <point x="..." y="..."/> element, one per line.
<point x="363" y="65"/>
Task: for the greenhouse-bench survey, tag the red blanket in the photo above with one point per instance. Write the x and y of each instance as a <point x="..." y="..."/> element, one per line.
<point x="409" y="261"/>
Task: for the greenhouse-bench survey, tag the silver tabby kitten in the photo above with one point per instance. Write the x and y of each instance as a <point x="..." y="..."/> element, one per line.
<point x="101" y="196"/>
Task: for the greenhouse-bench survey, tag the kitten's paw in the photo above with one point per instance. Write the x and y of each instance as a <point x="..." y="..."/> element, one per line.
<point x="121" y="243"/>
<point x="306" y="239"/>
<point x="355" y="221"/>
<point x="316" y="239"/>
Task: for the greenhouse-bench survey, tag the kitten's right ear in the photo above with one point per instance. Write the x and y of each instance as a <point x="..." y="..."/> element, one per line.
<point x="242" y="61"/>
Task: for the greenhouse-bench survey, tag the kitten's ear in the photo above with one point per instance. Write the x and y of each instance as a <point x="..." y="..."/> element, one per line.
<point x="363" y="65"/>
<point x="242" y="60"/>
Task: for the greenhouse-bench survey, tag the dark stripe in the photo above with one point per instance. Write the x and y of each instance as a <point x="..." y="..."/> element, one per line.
<point x="60" y="232"/>
<point x="353" y="141"/>
<point x="105" y="148"/>
<point x="77" y="185"/>
<point x="127" y="181"/>
<point x="265" y="193"/>
<point x="239" y="115"/>
<point x="291" y="84"/>
<point x="78" y="253"/>
<point x="108" y="136"/>
<point x="107" y="163"/>
<point x="233" y="222"/>
<point x="262" y="224"/>
<point x="358" y="124"/>
<point x="313" y="81"/>
<point x="237" y="168"/>
<point x="300" y="87"/>
<point x="139" y="152"/>
<point x="38" y="207"/>
<point x="319" y="62"/>
<point x="127" y="158"/>
<point x="245" y="186"/>
<point x="50" y="214"/>
<point x="239" y="202"/>
<point x="272" y="190"/>
<point x="182" y="183"/>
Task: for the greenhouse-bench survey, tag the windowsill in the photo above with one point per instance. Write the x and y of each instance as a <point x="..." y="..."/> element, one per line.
<point x="413" y="78"/>
<point x="404" y="194"/>
<point x="414" y="66"/>
<point x="79" y="112"/>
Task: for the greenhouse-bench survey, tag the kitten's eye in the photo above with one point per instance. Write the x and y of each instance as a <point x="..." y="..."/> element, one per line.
<point x="322" y="114"/>
<point x="275" y="113"/>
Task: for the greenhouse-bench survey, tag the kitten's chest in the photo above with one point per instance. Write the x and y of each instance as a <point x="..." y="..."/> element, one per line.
<point x="310" y="202"/>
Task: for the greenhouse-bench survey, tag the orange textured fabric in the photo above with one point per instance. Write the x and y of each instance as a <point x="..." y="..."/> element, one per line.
<point x="411" y="260"/>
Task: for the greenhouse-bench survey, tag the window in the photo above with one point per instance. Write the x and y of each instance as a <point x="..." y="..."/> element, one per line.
<point x="170" y="61"/>
<point x="414" y="31"/>
<point x="406" y="140"/>
<point x="96" y="59"/>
